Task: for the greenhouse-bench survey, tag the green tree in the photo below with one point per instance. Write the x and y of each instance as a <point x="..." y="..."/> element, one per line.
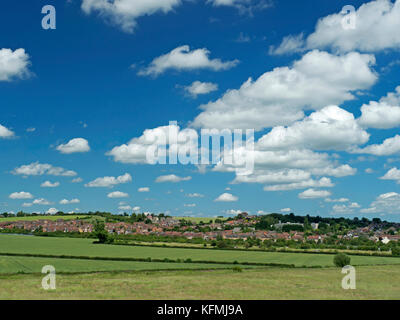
<point x="396" y="251"/>
<point x="101" y="233"/>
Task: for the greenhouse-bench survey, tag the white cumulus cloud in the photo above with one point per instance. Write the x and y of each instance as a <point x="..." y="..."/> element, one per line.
<point x="117" y="194"/>
<point x="38" y="169"/>
<point x="14" y="64"/>
<point x="376" y="26"/>
<point x="72" y="201"/>
<point x="107" y="182"/>
<point x="74" y="146"/>
<point x="52" y="211"/>
<point x="280" y="96"/>
<point x="124" y="13"/>
<point x="388" y="147"/>
<point x="183" y="59"/>
<point x="385" y="203"/>
<point x="21" y="195"/>
<point x="49" y="184"/>
<point x="226" y="197"/>
<point x="314" y="194"/>
<point x="5" y="132"/>
<point x="172" y="178"/>
<point x="384" y="114"/>
<point x="198" y="88"/>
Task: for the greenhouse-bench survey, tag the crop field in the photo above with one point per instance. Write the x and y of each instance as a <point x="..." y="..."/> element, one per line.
<point x="373" y="282"/>
<point x="11" y="265"/>
<point x="85" y="247"/>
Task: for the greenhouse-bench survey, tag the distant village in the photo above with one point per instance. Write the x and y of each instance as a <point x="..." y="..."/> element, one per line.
<point x="243" y="227"/>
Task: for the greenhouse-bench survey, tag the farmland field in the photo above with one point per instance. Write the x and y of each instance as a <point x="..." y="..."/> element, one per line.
<point x="34" y="265"/>
<point x="85" y="247"/>
<point x="112" y="279"/>
<point x="373" y="282"/>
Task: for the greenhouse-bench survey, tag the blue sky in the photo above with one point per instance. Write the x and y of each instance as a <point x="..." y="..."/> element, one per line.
<point x="96" y="78"/>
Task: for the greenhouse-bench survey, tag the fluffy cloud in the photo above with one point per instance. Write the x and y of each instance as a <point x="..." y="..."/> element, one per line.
<point x="198" y="88"/>
<point x="125" y="208"/>
<point x="376" y="28"/>
<point x="14" y="64"/>
<point x="72" y="201"/>
<point x="385" y="203"/>
<point x="226" y="197"/>
<point x="392" y="174"/>
<point x="286" y="210"/>
<point x="189" y="205"/>
<point x="289" y="169"/>
<point x="118" y="194"/>
<point x="338" y="172"/>
<point x="384" y="114"/>
<point x="182" y="59"/>
<point x="377" y="25"/>
<point x="345" y="208"/>
<point x="389" y="147"/>
<point x="52" y="211"/>
<point x="172" y="178"/>
<point x="124" y="13"/>
<point x="74" y="146"/>
<point x="195" y="195"/>
<point x="107" y="182"/>
<point x="233" y="212"/>
<point x="244" y="6"/>
<point x="38" y="169"/>
<point x="144" y="189"/>
<point x="290" y="44"/>
<point x="337" y="200"/>
<point x="274" y="177"/>
<point x="41" y="202"/>
<point x="316" y="80"/>
<point x="6" y="133"/>
<point x="321" y="183"/>
<point x="49" y="184"/>
<point x="314" y="194"/>
<point x="20" y="195"/>
<point x="330" y="128"/>
<point x="153" y="142"/>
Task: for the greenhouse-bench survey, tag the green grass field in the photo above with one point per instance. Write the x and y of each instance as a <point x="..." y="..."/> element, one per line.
<point x="85" y="247"/>
<point x="373" y="282"/>
<point x="108" y="279"/>
<point x="53" y="218"/>
<point x="11" y="265"/>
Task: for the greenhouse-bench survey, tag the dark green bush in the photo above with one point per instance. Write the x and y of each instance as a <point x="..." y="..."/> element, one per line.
<point x="341" y="260"/>
<point x="237" y="269"/>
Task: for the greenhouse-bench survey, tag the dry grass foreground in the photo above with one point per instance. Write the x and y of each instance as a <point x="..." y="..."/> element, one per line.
<point x="373" y="282"/>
